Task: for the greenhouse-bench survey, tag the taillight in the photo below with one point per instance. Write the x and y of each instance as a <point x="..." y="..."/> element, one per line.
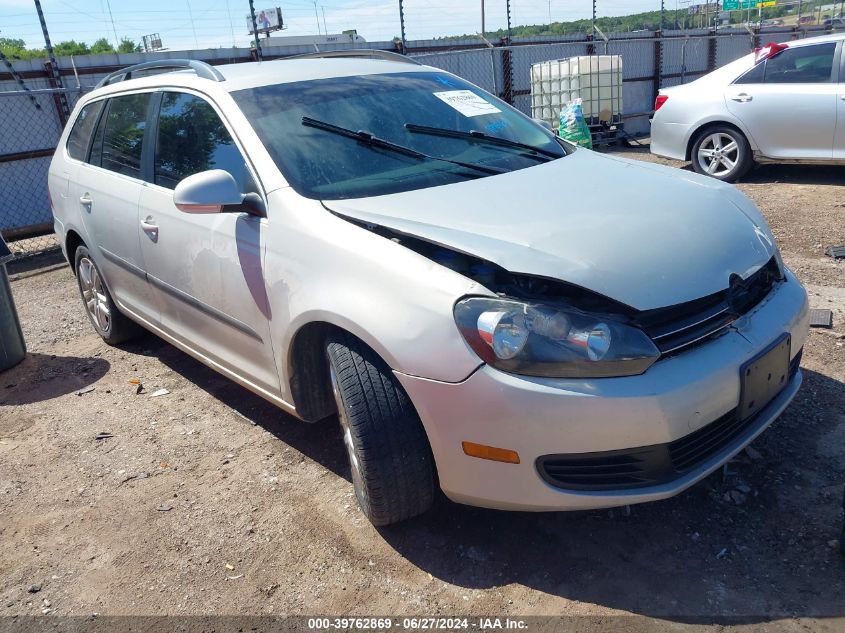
<point x="658" y="103"/>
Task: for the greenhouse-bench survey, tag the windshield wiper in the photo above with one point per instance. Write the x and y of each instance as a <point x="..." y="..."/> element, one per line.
<point x="481" y="137"/>
<point x="374" y="141"/>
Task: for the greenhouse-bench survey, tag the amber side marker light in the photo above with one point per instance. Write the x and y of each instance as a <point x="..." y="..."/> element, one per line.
<point x="490" y="452"/>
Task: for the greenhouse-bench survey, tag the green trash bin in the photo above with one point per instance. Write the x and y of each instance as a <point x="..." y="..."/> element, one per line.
<point x="12" y="345"/>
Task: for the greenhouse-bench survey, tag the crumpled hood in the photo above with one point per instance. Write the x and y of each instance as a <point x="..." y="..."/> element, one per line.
<point x="645" y="235"/>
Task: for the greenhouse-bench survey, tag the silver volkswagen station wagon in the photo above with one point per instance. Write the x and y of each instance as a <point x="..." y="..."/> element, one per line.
<point x="487" y="309"/>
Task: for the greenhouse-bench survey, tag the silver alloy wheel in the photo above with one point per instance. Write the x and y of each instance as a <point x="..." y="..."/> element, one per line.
<point x="94" y="294"/>
<point x="718" y="154"/>
<point x="357" y="480"/>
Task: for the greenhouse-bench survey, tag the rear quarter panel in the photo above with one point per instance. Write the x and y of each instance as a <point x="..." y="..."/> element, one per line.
<point x="60" y="177"/>
<point x="692" y="106"/>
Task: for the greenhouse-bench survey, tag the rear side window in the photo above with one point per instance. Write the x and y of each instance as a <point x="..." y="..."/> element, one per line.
<point x="191" y="138"/>
<point x="122" y="132"/>
<point x="802" y="65"/>
<point x="80" y="134"/>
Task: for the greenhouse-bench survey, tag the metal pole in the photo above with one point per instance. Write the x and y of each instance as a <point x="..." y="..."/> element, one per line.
<point x="193" y="26"/>
<point x="316" y="15"/>
<point x="19" y="79"/>
<point x="402" y="26"/>
<point x="483" y="30"/>
<point x="508" y="8"/>
<point x="231" y="24"/>
<point x="114" y="30"/>
<point x="594" y="18"/>
<point x="662" y="13"/>
<point x="54" y="65"/>
<point x="325" y="28"/>
<point x="255" y="31"/>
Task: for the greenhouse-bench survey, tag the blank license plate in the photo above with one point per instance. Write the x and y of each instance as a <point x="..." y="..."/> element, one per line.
<point x="763" y="377"/>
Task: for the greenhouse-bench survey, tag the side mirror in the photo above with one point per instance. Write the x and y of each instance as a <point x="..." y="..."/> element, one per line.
<point x="544" y="123"/>
<point x="207" y="192"/>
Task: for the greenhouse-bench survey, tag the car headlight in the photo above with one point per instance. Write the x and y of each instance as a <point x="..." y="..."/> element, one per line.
<point x="552" y="341"/>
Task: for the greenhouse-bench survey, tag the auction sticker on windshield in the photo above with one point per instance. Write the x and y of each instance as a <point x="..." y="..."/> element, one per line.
<point x="467" y="102"/>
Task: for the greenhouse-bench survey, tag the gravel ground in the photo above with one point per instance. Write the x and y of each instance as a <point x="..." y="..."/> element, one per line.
<point x="207" y="500"/>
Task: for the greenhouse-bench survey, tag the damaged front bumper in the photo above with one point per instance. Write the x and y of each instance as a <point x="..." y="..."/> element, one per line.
<point x="537" y="417"/>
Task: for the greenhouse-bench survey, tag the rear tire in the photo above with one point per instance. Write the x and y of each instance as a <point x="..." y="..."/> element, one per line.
<point x="390" y="458"/>
<point x="722" y="152"/>
<point x="113" y="326"/>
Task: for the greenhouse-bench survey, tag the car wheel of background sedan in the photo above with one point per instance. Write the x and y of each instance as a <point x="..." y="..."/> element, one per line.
<point x="109" y="322"/>
<point x="389" y="455"/>
<point x="721" y="152"/>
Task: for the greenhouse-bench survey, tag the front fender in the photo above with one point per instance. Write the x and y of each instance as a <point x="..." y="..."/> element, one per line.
<point x="321" y="268"/>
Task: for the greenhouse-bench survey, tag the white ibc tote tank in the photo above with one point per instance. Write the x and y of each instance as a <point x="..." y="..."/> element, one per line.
<point x="595" y="79"/>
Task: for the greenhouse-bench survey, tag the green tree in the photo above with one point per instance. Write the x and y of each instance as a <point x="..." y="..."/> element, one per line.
<point x="128" y="46"/>
<point x="71" y="47"/>
<point x="14" y="48"/>
<point x="101" y="46"/>
<point x="9" y="43"/>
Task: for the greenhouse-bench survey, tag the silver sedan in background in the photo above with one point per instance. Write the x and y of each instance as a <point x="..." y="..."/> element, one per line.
<point x="782" y="103"/>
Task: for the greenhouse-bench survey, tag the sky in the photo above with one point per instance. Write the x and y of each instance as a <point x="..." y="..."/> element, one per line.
<point x="185" y="24"/>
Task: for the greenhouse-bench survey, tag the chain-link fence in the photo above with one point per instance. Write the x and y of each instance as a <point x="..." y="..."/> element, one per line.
<point x="650" y="60"/>
<point x="31" y="122"/>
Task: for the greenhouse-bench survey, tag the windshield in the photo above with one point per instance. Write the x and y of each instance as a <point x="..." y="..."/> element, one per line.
<point x="321" y="160"/>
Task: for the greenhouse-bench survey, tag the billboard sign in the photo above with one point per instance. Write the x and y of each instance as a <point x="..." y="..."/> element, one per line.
<point x="152" y="42"/>
<point x="702" y="9"/>
<point x="266" y="20"/>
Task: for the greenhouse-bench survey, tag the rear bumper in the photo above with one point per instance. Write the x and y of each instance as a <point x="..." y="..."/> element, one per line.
<point x="59" y="230"/>
<point x="538" y="417"/>
<point x="669" y="139"/>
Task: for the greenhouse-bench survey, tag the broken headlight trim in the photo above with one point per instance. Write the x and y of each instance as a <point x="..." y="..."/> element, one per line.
<point x="534" y="339"/>
<point x="779" y="261"/>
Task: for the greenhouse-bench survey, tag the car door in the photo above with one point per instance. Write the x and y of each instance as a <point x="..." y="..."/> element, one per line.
<point x="839" y="138"/>
<point x="64" y="172"/>
<point x="788" y="103"/>
<point x="207" y="269"/>
<point x="107" y="187"/>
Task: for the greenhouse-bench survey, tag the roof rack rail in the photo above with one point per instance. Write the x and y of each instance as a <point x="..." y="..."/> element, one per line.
<point x="360" y="52"/>
<point x="206" y="71"/>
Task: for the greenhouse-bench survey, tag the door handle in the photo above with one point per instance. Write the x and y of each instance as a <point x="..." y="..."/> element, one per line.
<point x="842" y="97"/>
<point x="84" y="200"/>
<point x="742" y="97"/>
<point x="150" y="227"/>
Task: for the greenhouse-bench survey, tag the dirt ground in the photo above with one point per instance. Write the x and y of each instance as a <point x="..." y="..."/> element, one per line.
<point x="208" y="500"/>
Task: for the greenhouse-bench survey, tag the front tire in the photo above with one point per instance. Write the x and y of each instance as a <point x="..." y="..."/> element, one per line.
<point x="389" y="454"/>
<point x="723" y="153"/>
<point x="108" y="321"/>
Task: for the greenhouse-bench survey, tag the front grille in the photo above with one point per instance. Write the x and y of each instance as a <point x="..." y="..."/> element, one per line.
<point x="647" y="465"/>
<point x="681" y="326"/>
